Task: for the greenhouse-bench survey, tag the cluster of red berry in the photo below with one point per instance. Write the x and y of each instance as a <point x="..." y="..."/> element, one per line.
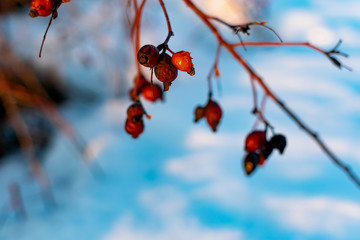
<point x="44" y="8"/>
<point x="258" y="148"/>
<point x="165" y="67"/>
<point x="166" y="70"/>
<point x="211" y="111"/>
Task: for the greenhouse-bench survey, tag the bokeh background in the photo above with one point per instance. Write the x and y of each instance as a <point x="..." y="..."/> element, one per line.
<point x="179" y="180"/>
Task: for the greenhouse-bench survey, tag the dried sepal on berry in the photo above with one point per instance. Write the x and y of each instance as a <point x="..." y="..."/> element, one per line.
<point x="183" y="61"/>
<point x="148" y="55"/>
<point x="42" y="8"/>
<point x="213" y="114"/>
<point x="165" y="71"/>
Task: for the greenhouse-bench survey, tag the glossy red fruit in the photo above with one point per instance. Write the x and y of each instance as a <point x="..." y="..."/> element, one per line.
<point x="213" y="114"/>
<point x="134" y="127"/>
<point x="41" y="8"/>
<point x="135" y="111"/>
<point x="148" y="55"/>
<point x="182" y="61"/>
<point x="152" y="93"/>
<point x="255" y="141"/>
<point x="165" y="71"/>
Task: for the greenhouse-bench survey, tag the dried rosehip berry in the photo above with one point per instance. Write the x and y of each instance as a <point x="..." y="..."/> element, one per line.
<point x="251" y="161"/>
<point x="266" y="150"/>
<point x="182" y="61"/>
<point x="150" y="95"/>
<point x="148" y="55"/>
<point x="262" y="160"/>
<point x="140" y="83"/>
<point x="135" y="111"/>
<point x="255" y="141"/>
<point x="213" y="114"/>
<point x="134" y="127"/>
<point x="199" y="113"/>
<point x="278" y="141"/>
<point x="41" y="8"/>
<point x="165" y="71"/>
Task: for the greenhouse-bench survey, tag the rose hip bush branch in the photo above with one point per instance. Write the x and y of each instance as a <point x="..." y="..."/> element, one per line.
<point x="165" y="64"/>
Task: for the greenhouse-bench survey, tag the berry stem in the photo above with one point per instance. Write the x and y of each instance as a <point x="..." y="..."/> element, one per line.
<point x="230" y="48"/>
<point x="170" y="32"/>
<point x="213" y="68"/>
<point x="167" y="18"/>
<point x="47" y="29"/>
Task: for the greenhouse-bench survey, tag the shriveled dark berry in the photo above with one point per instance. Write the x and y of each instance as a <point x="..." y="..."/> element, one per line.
<point x="165" y="71"/>
<point x="251" y="161"/>
<point x="278" y="141"/>
<point x="267" y="149"/>
<point x="135" y="111"/>
<point x="148" y="55"/>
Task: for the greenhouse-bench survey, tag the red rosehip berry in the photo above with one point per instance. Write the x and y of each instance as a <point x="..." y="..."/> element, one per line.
<point x="148" y="55"/>
<point x="182" y="61"/>
<point x="255" y="141"/>
<point x="135" y="111"/>
<point x="199" y="113"/>
<point x="41" y="8"/>
<point x="152" y="93"/>
<point x="213" y="114"/>
<point x="165" y="71"/>
<point x="134" y="127"/>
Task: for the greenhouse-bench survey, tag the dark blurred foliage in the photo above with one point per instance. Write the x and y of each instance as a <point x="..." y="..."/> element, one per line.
<point x="7" y="6"/>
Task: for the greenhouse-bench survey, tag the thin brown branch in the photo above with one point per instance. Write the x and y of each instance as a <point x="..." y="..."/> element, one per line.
<point x="166" y="16"/>
<point x="279" y="44"/>
<point x="268" y="92"/>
